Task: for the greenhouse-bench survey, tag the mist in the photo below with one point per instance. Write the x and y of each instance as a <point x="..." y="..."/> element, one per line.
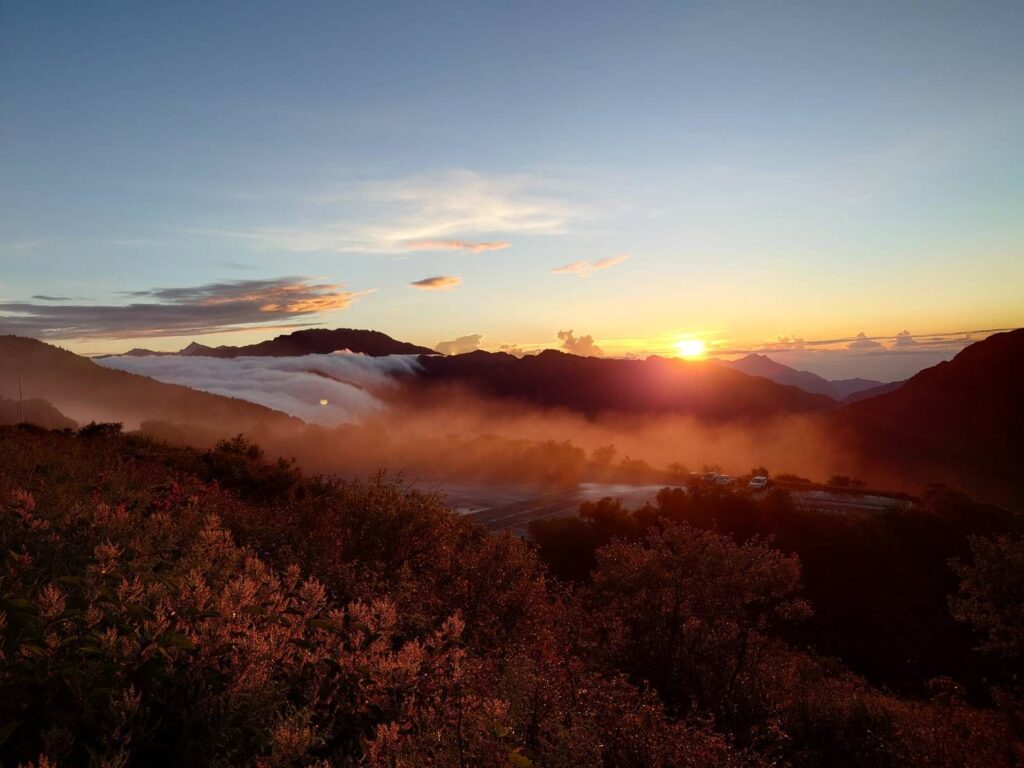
<point x="339" y="388"/>
<point x="377" y="417"/>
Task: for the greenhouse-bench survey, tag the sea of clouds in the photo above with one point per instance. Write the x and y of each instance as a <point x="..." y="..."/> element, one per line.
<point x="349" y="384"/>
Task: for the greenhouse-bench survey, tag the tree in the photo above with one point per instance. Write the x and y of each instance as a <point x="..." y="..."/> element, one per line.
<point x="991" y="595"/>
<point x="685" y="609"/>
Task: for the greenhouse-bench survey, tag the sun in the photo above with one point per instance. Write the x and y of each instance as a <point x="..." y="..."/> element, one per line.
<point x="690" y="349"/>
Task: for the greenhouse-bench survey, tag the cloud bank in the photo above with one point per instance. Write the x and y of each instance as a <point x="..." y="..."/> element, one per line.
<point x="340" y="388"/>
<point x="211" y="308"/>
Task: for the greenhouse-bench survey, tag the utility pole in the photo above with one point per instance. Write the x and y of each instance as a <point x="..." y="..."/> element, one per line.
<point x="21" y="397"/>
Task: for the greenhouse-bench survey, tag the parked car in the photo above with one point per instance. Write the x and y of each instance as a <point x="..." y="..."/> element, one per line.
<point x="758" y="483"/>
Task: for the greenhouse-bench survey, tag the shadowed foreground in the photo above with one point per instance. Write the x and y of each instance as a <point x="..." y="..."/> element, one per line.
<point x="166" y="606"/>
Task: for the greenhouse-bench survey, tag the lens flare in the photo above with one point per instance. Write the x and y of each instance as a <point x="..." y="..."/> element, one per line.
<point x="690" y="349"/>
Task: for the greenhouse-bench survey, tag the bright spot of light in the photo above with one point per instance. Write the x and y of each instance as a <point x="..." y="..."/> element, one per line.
<point x="690" y="348"/>
<point x="323" y="402"/>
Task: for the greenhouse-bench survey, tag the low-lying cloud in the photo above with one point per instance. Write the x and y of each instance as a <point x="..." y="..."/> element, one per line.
<point x="210" y="308"/>
<point x="340" y="388"/>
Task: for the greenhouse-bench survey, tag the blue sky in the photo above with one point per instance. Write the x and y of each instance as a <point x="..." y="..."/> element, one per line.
<point x="771" y="170"/>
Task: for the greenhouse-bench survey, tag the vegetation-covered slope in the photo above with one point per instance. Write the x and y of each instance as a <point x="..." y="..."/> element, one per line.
<point x="166" y="606"/>
<point x="959" y="422"/>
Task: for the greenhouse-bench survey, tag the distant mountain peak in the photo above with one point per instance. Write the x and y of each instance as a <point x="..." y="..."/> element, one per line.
<point x="755" y="364"/>
<point x="195" y="348"/>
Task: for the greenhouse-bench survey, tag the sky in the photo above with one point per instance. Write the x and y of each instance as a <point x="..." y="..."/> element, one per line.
<point x="840" y="185"/>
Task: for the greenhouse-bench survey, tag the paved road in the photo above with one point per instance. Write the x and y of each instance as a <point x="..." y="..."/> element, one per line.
<point x="512" y="507"/>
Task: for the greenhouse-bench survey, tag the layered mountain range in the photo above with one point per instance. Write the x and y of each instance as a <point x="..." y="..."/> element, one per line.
<point x="959" y="422"/>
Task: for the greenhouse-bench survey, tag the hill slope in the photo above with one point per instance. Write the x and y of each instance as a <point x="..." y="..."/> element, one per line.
<point x="85" y="391"/>
<point x="960" y="421"/>
<point x="34" y="411"/>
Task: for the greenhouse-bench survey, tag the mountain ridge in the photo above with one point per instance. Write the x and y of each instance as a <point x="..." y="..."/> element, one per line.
<point x="756" y="364"/>
<point x="957" y="422"/>
<point x="312" y="341"/>
<point x="593" y="385"/>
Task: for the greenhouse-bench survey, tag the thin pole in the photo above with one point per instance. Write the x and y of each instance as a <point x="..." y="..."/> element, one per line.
<point x="21" y="397"/>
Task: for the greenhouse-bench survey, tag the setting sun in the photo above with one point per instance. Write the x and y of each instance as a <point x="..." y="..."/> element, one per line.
<point x="690" y="349"/>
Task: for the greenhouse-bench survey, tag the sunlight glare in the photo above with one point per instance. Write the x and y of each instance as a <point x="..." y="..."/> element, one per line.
<point x="690" y="349"/>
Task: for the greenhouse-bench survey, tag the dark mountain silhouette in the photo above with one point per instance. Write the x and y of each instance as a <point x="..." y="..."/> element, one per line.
<point x="881" y="389"/>
<point x="34" y="411"/>
<point x="959" y="422"/>
<point x="86" y="391"/>
<point x="315" y="341"/>
<point x="765" y="367"/>
<point x="593" y="385"/>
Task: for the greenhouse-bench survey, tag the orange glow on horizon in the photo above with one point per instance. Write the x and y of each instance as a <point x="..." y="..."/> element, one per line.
<point x="690" y="349"/>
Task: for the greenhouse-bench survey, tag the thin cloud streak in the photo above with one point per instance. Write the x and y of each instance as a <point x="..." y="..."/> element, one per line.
<point x="439" y="212"/>
<point x="586" y="268"/>
<point x="900" y="343"/>
<point x="456" y="245"/>
<point x="197" y="310"/>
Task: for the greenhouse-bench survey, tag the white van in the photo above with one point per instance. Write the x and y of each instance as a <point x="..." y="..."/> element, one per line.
<point x="758" y="483"/>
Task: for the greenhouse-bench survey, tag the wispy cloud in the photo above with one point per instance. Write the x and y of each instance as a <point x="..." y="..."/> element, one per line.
<point x="586" y="268"/>
<point x="197" y="310"/>
<point x="438" y="283"/>
<point x="21" y="245"/>
<point x="448" y="211"/>
<point x="455" y="245"/>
